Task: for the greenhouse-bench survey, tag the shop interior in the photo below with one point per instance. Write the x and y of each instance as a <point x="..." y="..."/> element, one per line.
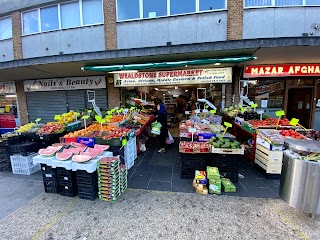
<point x="8" y="112"/>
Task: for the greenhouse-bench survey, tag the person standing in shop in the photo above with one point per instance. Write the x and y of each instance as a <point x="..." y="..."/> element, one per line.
<point x="162" y="118"/>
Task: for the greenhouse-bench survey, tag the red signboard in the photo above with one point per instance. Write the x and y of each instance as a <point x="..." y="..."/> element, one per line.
<point x="282" y="70"/>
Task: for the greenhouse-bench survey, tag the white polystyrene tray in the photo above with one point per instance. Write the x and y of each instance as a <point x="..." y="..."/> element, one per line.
<point x="91" y="165"/>
<point x="44" y="160"/>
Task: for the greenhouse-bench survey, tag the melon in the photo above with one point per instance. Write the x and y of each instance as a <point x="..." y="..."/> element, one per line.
<point x="96" y="151"/>
<point x="93" y="155"/>
<point x="74" y="144"/>
<point x="47" y="152"/>
<point x="59" y="144"/>
<point x="71" y="150"/>
<point x="81" y="158"/>
<point x="81" y="149"/>
<point x="54" y="148"/>
<point x="63" y="156"/>
<point x="101" y="147"/>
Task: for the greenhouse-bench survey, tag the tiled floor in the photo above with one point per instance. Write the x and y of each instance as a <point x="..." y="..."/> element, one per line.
<point x="155" y="171"/>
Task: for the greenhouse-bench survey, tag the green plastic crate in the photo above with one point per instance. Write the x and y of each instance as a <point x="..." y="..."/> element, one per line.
<point x="213" y="173"/>
<point x="227" y="185"/>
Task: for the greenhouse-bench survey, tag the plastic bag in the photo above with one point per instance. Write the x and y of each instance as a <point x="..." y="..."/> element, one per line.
<point x="169" y="139"/>
<point x="156" y="127"/>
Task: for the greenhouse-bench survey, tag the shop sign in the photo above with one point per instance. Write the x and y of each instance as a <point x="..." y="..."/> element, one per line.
<point x="262" y="89"/>
<point x="57" y="84"/>
<point x="7" y="87"/>
<point x="177" y="77"/>
<point x="282" y="70"/>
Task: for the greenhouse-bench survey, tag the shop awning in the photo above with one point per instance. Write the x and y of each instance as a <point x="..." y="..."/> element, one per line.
<point x="144" y="66"/>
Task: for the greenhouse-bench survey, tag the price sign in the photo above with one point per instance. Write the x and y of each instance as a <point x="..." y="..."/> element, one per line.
<point x="280" y="113"/>
<point x="89" y="111"/>
<point x="254" y="105"/>
<point x="227" y="124"/>
<point x="38" y="120"/>
<point x="119" y="111"/>
<point x="98" y="118"/>
<point x="242" y="109"/>
<point x="213" y="111"/>
<point x="294" y="122"/>
<point x="207" y="106"/>
<point x="57" y="117"/>
<point x="85" y="117"/>
<point x="192" y="130"/>
<point x="124" y="142"/>
<point x="109" y="112"/>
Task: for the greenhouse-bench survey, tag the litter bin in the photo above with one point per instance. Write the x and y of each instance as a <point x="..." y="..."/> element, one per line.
<point x="300" y="179"/>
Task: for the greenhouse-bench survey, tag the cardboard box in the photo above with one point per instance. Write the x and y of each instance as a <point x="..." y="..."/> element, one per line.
<point x="262" y="142"/>
<point x="213" y="173"/>
<point x="215" y="188"/>
<point x="227" y="185"/>
<point x="201" y="189"/>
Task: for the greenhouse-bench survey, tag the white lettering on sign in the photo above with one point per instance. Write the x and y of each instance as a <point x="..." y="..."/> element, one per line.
<point x="190" y="76"/>
<point x="57" y="84"/>
<point x="7" y="87"/>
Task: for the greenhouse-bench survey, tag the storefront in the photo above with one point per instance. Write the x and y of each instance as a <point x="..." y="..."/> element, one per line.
<point x="292" y="87"/>
<point x="49" y="97"/>
<point x="9" y="118"/>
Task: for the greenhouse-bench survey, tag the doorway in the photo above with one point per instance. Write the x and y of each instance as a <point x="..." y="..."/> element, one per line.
<point x="300" y="105"/>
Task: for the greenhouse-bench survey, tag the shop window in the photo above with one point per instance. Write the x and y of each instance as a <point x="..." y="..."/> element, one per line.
<point x="300" y="82"/>
<point x="5" y="28"/>
<point x="31" y="22"/>
<point x="288" y="2"/>
<point x="312" y="2"/>
<point x="128" y="9"/>
<point x="92" y="11"/>
<point x="70" y="15"/>
<point x="153" y="8"/>
<point x="205" y="5"/>
<point x="49" y="18"/>
<point x="182" y="6"/>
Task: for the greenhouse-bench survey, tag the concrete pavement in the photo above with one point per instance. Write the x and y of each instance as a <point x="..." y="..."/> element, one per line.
<point x="143" y="214"/>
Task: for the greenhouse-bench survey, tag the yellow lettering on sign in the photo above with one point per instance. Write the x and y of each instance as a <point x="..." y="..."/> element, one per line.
<point x="310" y="69"/>
<point x="297" y="69"/>
<point x="304" y="69"/>
<point x="317" y="70"/>
<point x="261" y="71"/>
<point x="280" y="70"/>
<point x="291" y="71"/>
<point x="267" y="70"/>
<point x="254" y="71"/>
<point x="274" y="70"/>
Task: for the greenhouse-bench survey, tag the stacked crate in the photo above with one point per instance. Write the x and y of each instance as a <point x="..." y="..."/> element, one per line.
<point x="228" y="165"/>
<point x="24" y="164"/>
<point x="192" y="162"/>
<point x="123" y="178"/>
<point x="87" y="185"/>
<point x="67" y="182"/>
<point x="109" y="179"/>
<point x="50" y="179"/>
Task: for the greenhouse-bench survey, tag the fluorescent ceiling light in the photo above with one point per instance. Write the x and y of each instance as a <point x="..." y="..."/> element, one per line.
<point x="217" y="64"/>
<point x="164" y="94"/>
<point x="175" y="87"/>
<point x="156" y="89"/>
<point x="186" y="90"/>
<point x="125" y="71"/>
<point x="9" y="96"/>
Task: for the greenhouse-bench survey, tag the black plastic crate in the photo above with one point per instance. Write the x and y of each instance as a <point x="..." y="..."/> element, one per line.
<point x="66" y="177"/>
<point x="5" y="165"/>
<point x="50" y="186"/>
<point x="64" y="172"/>
<point x="88" y="196"/>
<point x="23" y="148"/>
<point x="116" y="150"/>
<point x="88" y="190"/>
<point x="16" y="139"/>
<point x="68" y="191"/>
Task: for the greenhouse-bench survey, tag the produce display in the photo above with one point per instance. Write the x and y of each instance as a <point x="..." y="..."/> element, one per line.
<point x="69" y="117"/>
<point x="194" y="147"/>
<point x="291" y="134"/>
<point x="314" y="135"/>
<point x="30" y="128"/>
<point x="51" y="127"/>
<point x="117" y="133"/>
<point x="269" y="122"/>
<point x="90" y="130"/>
<point x="224" y="143"/>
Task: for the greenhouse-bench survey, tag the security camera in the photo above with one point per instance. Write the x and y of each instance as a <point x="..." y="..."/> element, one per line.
<point x="316" y="26"/>
<point x="311" y="33"/>
<point x="219" y="21"/>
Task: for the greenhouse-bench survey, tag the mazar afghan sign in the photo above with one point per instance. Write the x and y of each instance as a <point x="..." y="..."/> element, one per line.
<point x="177" y="77"/>
<point x="7" y="87"/>
<point x="57" y="84"/>
<point x="282" y="70"/>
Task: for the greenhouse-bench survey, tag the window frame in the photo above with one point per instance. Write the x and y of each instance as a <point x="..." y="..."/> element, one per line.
<point x="197" y="11"/>
<point x="273" y="5"/>
<point x="2" y="39"/>
<point x="59" y="18"/>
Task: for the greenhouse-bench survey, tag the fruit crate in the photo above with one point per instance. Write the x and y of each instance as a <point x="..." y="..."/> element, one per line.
<point x="74" y="126"/>
<point x="30" y="136"/>
<point x="51" y="138"/>
<point x="67" y="182"/>
<point x="23" y="148"/>
<point x="68" y="191"/>
<point x="113" y="142"/>
<point x="16" y="139"/>
<point x="24" y="164"/>
<point x="87" y="179"/>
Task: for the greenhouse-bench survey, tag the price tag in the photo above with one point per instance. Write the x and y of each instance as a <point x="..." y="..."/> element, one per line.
<point x="192" y="130"/>
<point x="89" y="111"/>
<point x="124" y="142"/>
<point x="98" y="118"/>
<point x="57" y="117"/>
<point x="109" y="112"/>
<point x="102" y="120"/>
<point x="38" y="120"/>
<point x="85" y="117"/>
<point x="227" y="124"/>
<point x="119" y="111"/>
<point x="280" y="113"/>
<point x="108" y="117"/>
<point x="242" y="110"/>
<point x="254" y="105"/>
<point x="294" y="122"/>
<point x="213" y="111"/>
<point x="207" y="106"/>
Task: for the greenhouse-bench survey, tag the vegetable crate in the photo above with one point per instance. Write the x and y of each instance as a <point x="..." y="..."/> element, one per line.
<point x="239" y="151"/>
<point x="192" y="162"/>
<point x="24" y="164"/>
<point x="23" y="148"/>
<point x="270" y="161"/>
<point x="87" y="185"/>
<point x="50" y="180"/>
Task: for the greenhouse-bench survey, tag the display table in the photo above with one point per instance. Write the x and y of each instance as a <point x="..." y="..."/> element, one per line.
<point x="300" y="179"/>
<point x="141" y="131"/>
